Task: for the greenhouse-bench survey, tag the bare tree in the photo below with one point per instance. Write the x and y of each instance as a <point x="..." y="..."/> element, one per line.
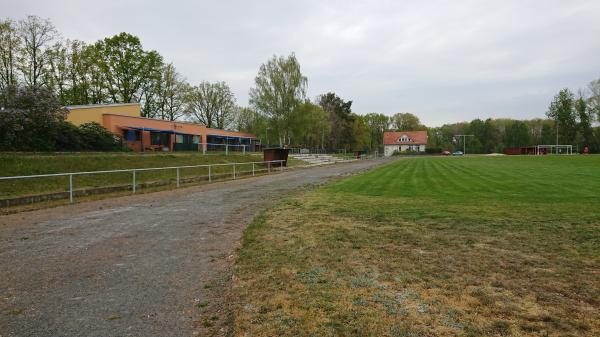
<point x="9" y="46"/>
<point x="37" y="35"/>
<point x="212" y="104"/>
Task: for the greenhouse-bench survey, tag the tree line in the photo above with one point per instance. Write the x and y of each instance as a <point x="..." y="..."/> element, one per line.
<point x="115" y="69"/>
<point x="280" y="113"/>
<point x="570" y="121"/>
<point x="36" y="60"/>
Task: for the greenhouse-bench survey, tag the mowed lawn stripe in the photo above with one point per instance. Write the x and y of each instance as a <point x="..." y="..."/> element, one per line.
<point x="474" y="246"/>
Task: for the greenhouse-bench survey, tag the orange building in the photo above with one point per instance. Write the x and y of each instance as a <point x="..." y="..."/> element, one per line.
<point x="147" y="134"/>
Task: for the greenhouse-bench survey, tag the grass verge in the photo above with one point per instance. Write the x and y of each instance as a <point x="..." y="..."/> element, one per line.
<point x="31" y="164"/>
<point x="480" y="246"/>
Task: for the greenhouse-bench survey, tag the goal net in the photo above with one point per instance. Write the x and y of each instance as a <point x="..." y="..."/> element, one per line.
<point x="553" y="149"/>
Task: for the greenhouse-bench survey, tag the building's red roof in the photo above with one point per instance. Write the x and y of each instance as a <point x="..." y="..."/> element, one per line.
<point x="414" y="138"/>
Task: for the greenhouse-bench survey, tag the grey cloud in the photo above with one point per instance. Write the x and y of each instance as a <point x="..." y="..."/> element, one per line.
<point x="442" y="60"/>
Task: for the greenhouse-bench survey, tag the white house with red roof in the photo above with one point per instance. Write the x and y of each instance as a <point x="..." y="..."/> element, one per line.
<point x="404" y="141"/>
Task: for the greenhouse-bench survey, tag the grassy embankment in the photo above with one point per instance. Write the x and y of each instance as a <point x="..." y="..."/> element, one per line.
<point x="31" y="164"/>
<point x="476" y="246"/>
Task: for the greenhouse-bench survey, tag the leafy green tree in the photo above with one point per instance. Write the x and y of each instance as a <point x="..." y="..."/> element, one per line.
<point x="212" y="104"/>
<point x="485" y="136"/>
<point x="377" y="124"/>
<point x="10" y="44"/>
<point x="539" y="127"/>
<point x="561" y="110"/>
<point x="406" y="122"/>
<point x="360" y="134"/>
<point x="57" y="73"/>
<point x="585" y="132"/>
<point x="278" y="89"/>
<point x="250" y="120"/>
<point x="126" y="68"/>
<point x="548" y="135"/>
<point x="166" y="97"/>
<point x="92" y="86"/>
<point x="340" y="118"/>
<point x="309" y="125"/>
<point x="517" y="134"/>
<point x="594" y="99"/>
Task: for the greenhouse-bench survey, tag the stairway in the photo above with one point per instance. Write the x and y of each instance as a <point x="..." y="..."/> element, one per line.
<point x="318" y="159"/>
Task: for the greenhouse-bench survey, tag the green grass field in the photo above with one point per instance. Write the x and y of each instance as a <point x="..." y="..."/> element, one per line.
<point x="30" y="164"/>
<point x="473" y="246"/>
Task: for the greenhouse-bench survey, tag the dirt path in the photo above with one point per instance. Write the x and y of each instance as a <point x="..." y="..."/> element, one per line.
<point x="133" y="266"/>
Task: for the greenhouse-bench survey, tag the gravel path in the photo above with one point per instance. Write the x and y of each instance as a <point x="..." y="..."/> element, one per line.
<point x="131" y="266"/>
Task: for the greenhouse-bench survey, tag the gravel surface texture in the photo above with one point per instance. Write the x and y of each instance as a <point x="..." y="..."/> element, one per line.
<point x="140" y="265"/>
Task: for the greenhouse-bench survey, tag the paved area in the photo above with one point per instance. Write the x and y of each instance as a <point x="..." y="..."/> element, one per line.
<point x="131" y="266"/>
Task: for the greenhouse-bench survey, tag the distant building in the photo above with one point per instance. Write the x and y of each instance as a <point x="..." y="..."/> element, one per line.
<point x="147" y="134"/>
<point x="404" y="141"/>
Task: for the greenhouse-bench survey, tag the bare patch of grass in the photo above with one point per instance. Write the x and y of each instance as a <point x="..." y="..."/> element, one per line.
<point x="342" y="262"/>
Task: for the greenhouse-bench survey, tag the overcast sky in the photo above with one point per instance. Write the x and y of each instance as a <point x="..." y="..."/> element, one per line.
<point x="445" y="61"/>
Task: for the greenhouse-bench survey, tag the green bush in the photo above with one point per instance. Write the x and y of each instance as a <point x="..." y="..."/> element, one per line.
<point x="95" y="137"/>
<point x="32" y="119"/>
<point x="68" y="138"/>
<point x="431" y="150"/>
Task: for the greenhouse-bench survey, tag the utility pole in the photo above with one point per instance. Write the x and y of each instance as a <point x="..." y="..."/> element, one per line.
<point x="556" y="138"/>
<point x="464" y="137"/>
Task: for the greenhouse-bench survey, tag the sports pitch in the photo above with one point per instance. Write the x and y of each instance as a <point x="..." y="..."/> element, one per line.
<point x="473" y="246"/>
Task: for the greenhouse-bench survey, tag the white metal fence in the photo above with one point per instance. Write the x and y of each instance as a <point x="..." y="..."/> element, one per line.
<point x="269" y="166"/>
<point x="204" y="147"/>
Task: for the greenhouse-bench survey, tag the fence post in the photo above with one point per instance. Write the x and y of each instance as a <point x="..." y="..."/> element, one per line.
<point x="178" y="177"/>
<point x="71" y="187"/>
<point x="244" y="149"/>
<point x="253" y="169"/>
<point x="226" y="149"/>
<point x="209" y="178"/>
<point x="233" y="171"/>
<point x="134" y="181"/>
<point x="281" y="165"/>
<point x="269" y="166"/>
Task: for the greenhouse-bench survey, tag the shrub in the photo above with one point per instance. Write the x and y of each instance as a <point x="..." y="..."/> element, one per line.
<point x="32" y="119"/>
<point x="431" y="150"/>
<point x="95" y="137"/>
<point x="68" y="138"/>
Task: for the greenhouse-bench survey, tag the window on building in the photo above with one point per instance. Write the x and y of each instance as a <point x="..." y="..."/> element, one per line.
<point x="404" y="138"/>
<point x="159" y="138"/>
<point x="132" y="135"/>
<point x="187" y="139"/>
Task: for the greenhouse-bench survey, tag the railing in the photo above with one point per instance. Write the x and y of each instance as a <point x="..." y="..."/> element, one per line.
<point x="306" y="150"/>
<point x="269" y="165"/>
<point x="202" y="147"/>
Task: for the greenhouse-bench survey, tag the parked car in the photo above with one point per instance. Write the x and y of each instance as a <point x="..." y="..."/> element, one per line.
<point x="446" y="153"/>
<point x="457" y="153"/>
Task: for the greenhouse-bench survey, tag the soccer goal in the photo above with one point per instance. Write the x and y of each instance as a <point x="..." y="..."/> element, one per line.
<point x="553" y="149"/>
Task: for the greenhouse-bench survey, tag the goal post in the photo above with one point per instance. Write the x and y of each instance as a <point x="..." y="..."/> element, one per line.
<point x="553" y="149"/>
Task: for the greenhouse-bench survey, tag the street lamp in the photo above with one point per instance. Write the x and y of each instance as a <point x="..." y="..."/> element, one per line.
<point x="464" y="142"/>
